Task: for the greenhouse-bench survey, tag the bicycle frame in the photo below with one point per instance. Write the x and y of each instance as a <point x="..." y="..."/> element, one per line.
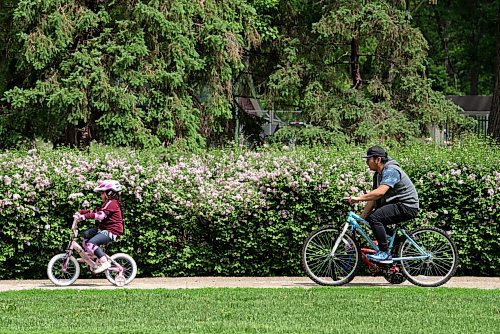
<point x="84" y="256"/>
<point x="352" y="223"/>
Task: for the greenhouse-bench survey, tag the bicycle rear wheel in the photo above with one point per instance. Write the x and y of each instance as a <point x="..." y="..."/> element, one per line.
<point x="439" y="267"/>
<point x="326" y="268"/>
<point x="56" y="273"/>
<point x="129" y="269"/>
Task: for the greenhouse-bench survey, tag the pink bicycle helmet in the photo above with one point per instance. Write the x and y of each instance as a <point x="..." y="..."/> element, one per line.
<point x="108" y="185"/>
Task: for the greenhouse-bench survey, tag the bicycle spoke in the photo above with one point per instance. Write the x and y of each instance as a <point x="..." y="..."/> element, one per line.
<point x="342" y="267"/>
<point x="319" y="266"/>
<point x="441" y="260"/>
<point x="56" y="272"/>
<point x="325" y="267"/>
<point x="441" y="269"/>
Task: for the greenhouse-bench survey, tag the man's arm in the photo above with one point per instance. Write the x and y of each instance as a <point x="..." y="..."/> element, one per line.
<point x="368" y="208"/>
<point x="372" y="196"/>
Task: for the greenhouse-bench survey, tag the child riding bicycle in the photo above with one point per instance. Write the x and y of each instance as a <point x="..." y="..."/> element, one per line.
<point x="109" y="222"/>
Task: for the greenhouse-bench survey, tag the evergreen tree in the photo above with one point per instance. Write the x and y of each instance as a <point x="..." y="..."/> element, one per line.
<point x="153" y="72"/>
<point x="461" y="37"/>
<point x="494" y="121"/>
<point x="138" y="73"/>
<point x="357" y="67"/>
<point x="6" y="9"/>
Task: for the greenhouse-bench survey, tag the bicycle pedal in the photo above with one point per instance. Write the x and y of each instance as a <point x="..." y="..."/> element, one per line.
<point x="80" y="260"/>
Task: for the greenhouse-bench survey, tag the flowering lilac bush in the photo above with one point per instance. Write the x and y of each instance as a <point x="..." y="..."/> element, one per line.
<point x="232" y="212"/>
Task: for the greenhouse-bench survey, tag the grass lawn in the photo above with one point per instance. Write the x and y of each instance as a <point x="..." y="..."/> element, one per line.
<point x="316" y="310"/>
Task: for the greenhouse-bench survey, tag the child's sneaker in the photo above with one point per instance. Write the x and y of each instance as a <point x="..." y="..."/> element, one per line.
<point x="100" y="267"/>
<point x="381" y="257"/>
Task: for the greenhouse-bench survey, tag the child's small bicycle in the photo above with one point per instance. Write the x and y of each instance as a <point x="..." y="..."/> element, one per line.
<point x="426" y="256"/>
<point x="64" y="269"/>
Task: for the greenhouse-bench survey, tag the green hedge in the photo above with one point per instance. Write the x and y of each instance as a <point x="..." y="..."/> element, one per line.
<point x="232" y="212"/>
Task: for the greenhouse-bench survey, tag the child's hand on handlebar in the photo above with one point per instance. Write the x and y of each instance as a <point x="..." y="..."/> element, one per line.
<point x="79" y="216"/>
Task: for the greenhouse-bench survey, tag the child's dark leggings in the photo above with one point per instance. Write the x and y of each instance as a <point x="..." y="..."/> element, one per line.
<point x="387" y="215"/>
<point x="94" y="240"/>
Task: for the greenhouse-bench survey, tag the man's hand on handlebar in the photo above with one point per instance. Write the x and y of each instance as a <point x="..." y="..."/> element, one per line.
<point x="352" y="199"/>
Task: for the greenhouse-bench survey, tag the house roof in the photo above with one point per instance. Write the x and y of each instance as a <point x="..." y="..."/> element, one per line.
<point x="473" y="104"/>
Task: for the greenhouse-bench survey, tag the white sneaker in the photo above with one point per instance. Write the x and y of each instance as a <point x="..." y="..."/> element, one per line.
<point x="100" y="267"/>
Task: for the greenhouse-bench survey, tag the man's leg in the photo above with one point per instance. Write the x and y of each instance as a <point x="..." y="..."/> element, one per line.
<point x="385" y="215"/>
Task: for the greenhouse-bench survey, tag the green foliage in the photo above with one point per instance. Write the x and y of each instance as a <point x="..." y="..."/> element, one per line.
<point x="461" y="193"/>
<point x="308" y="136"/>
<point x="124" y="73"/>
<point x="313" y="71"/>
<point x="232" y="212"/>
<point x="461" y="37"/>
<point x="149" y="73"/>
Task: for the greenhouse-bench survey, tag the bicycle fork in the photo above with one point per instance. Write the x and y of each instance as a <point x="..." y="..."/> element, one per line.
<point x="64" y="268"/>
<point x="334" y="249"/>
<point x="339" y="239"/>
<point x="69" y="252"/>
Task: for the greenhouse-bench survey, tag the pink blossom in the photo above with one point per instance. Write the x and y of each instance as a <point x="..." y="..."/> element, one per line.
<point x="75" y="196"/>
<point x="7" y="180"/>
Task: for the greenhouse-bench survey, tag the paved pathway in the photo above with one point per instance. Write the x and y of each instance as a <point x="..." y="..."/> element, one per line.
<point x="236" y="282"/>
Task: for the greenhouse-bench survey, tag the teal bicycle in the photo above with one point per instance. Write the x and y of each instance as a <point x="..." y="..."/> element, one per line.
<point x="426" y="256"/>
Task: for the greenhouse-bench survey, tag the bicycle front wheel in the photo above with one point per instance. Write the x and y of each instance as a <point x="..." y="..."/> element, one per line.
<point x="326" y="267"/>
<point x="441" y="264"/>
<point x="60" y="276"/>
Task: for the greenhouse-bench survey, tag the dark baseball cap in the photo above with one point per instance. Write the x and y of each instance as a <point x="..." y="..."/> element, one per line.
<point x="375" y="151"/>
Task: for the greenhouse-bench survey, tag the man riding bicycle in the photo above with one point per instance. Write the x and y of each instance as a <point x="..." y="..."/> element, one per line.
<point x="393" y="199"/>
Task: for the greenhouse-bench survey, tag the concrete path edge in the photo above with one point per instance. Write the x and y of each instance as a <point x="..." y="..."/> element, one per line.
<point x="236" y="282"/>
